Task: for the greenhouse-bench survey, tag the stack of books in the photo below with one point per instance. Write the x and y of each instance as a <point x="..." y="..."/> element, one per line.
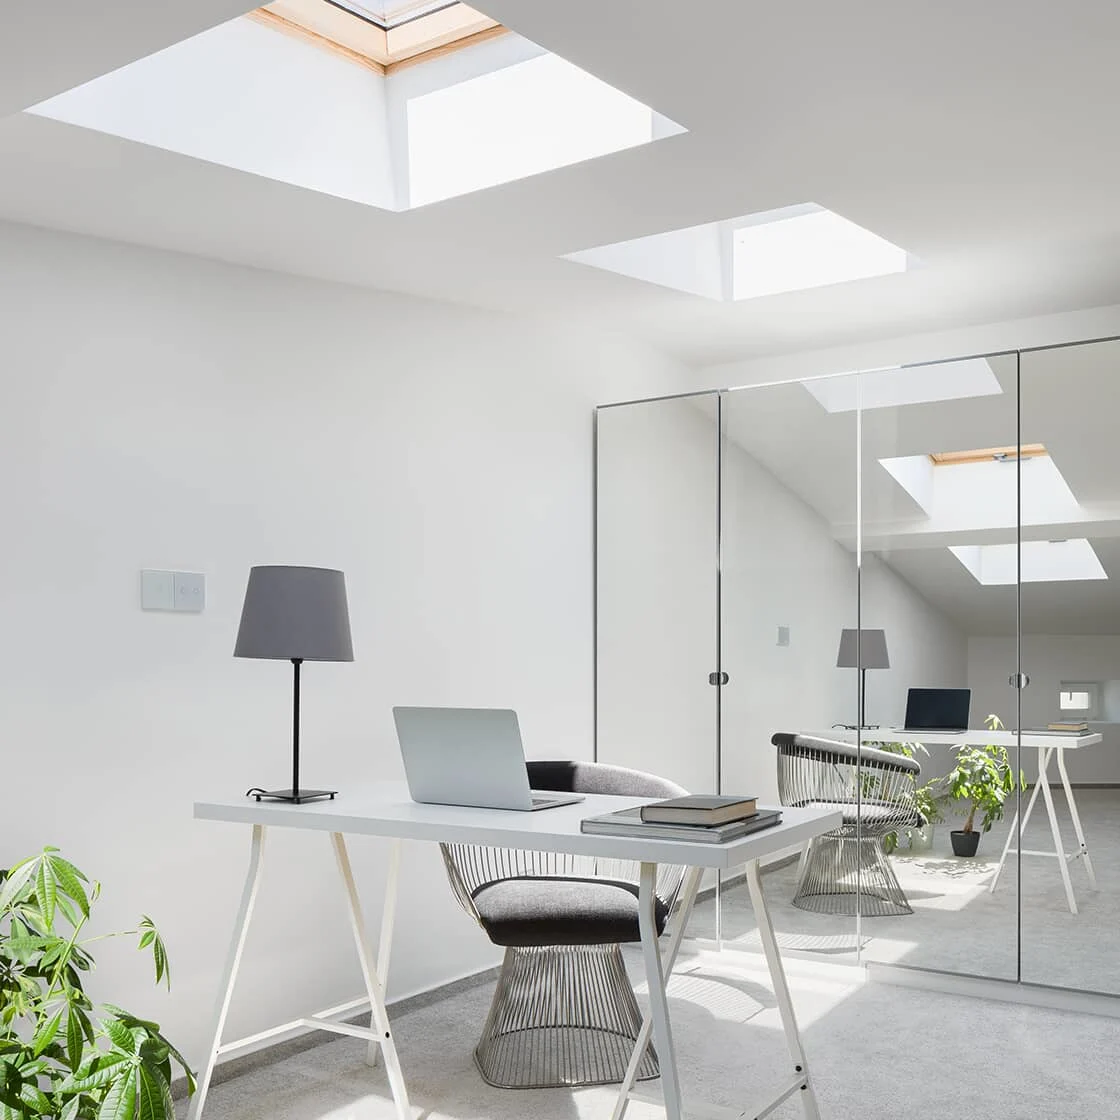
<point x="700" y="818"/>
<point x="1074" y="727"/>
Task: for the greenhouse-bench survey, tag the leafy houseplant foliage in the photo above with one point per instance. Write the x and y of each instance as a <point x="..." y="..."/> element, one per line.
<point x="60" y="1057"/>
<point x="982" y="779"/>
<point x="926" y="799"/>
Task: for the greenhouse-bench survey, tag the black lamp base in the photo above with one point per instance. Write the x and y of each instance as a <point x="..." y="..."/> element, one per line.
<point x="300" y="797"/>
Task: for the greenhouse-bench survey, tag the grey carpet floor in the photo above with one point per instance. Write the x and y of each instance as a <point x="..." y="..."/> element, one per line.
<point x="877" y="1053"/>
<point x="957" y="925"/>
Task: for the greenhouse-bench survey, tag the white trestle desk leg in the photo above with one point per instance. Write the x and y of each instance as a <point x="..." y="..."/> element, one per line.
<point x="684" y="912"/>
<point x="373" y="983"/>
<point x="658" y="999"/>
<point x="1059" y="850"/>
<point x="229" y="974"/>
<point x="388" y="916"/>
<point x="1076" y="819"/>
<point x="781" y="991"/>
<point x="1043" y="760"/>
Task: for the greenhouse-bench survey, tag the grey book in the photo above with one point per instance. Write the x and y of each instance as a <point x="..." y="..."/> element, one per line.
<point x="628" y="822"/>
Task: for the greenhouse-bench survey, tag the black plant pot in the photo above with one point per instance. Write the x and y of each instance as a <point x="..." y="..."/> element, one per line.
<point x="965" y="843"/>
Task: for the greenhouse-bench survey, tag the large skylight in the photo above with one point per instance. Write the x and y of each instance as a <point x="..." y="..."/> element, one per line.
<point x="905" y="385"/>
<point x="802" y="246"/>
<point x="994" y="565"/>
<point x="524" y="119"/>
<point x="392" y="13"/>
<point x="786" y="252"/>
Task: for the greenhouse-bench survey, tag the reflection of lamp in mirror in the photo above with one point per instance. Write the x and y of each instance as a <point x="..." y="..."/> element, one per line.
<point x="863" y="650"/>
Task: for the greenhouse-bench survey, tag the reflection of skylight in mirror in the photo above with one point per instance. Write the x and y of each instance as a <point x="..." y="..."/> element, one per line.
<point x="1042" y="562"/>
<point x="527" y="118"/>
<point x="807" y="250"/>
<point x="892" y="388"/>
<point x="985" y="494"/>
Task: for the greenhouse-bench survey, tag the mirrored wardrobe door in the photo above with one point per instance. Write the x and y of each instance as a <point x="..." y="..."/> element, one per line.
<point x="656" y="464"/>
<point x="1070" y="471"/>
<point x="788" y="596"/>
<point x="939" y="531"/>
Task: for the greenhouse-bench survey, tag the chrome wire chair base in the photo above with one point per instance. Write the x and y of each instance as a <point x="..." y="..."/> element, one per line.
<point x="561" y="1015"/>
<point x="841" y="873"/>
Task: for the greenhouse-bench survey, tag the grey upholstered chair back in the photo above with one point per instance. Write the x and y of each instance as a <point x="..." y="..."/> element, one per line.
<point x="599" y="777"/>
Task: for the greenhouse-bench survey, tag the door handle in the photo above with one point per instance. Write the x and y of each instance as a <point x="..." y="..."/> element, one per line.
<point x="718" y="679"/>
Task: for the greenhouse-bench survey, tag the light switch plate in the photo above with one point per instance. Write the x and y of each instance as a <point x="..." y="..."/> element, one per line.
<point x="783" y="635"/>
<point x="156" y="591"/>
<point x="189" y="592"/>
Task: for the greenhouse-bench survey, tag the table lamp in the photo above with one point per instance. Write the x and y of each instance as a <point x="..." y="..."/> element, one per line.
<point x="295" y="614"/>
<point x="863" y="650"/>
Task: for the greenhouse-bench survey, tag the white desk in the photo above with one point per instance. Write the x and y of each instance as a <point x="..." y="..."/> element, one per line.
<point x="385" y="810"/>
<point x="1050" y="745"/>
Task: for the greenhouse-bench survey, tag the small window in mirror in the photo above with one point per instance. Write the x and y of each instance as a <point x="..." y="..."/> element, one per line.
<point x="1080" y="698"/>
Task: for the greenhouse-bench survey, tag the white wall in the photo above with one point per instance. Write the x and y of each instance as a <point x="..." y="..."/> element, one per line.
<point x="248" y="96"/>
<point x="1048" y="660"/>
<point x="781" y="566"/>
<point x="162" y="411"/>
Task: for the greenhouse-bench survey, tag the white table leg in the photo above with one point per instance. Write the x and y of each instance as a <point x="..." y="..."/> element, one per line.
<point x="781" y="990"/>
<point x="385" y="947"/>
<point x="684" y="911"/>
<point x="1055" y="832"/>
<point x="372" y="981"/>
<point x="1043" y="755"/>
<point x="658" y="999"/>
<point x="1076" y="819"/>
<point x="229" y="974"/>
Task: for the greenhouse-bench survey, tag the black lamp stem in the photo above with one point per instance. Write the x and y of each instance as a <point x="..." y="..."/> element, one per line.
<point x="296" y="662"/>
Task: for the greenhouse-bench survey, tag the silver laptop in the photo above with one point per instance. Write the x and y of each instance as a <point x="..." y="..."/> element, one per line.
<point x="468" y="756"/>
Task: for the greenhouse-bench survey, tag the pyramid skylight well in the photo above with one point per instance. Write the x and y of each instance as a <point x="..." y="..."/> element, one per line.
<point x="390" y="103"/>
<point x="786" y="250"/>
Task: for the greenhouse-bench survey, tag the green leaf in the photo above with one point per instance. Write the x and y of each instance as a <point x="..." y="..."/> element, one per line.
<point x="70" y="1112"/>
<point x="153" y="1097"/>
<point x="104" y="1069"/>
<point x="120" y="1100"/>
<point x="120" y="1036"/>
<point x="18" y="878"/>
<point x="46" y="890"/>
<point x="70" y="879"/>
<point x="34" y="1096"/>
<point x="74" y="1038"/>
<point x="44" y="1036"/>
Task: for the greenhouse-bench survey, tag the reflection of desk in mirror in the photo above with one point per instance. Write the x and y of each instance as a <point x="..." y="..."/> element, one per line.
<point x="1050" y="745"/>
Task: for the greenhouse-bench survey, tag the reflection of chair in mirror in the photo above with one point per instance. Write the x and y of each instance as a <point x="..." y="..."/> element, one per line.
<point x="564" y="1012"/>
<point x="874" y="790"/>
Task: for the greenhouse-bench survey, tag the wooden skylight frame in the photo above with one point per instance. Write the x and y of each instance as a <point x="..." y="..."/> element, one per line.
<point x="364" y="42"/>
<point x="988" y="454"/>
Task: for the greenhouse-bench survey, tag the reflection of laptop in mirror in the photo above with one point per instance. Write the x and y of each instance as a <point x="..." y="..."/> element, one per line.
<point x="468" y="756"/>
<point x="938" y="709"/>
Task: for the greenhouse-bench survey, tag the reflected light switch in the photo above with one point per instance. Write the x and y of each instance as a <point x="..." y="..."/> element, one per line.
<point x="783" y="635"/>
<point x="156" y="591"/>
<point x="189" y="591"/>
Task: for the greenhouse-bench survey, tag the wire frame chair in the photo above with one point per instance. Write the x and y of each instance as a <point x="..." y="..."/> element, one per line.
<point x="562" y="1014"/>
<point x="848" y="870"/>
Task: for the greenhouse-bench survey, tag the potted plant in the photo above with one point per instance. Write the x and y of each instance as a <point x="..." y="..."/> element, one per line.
<point x="60" y="1057"/>
<point x="980" y="782"/>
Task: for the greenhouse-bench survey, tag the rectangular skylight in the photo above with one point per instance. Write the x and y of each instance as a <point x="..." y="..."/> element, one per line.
<point x="527" y="118"/>
<point x="1042" y="562"/>
<point x="903" y="385"/>
<point x="786" y="252"/>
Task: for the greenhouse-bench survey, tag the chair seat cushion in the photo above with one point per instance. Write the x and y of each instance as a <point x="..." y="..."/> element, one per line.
<point x="532" y="911"/>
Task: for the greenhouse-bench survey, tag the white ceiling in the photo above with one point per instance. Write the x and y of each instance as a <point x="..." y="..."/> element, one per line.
<point x="976" y="136"/>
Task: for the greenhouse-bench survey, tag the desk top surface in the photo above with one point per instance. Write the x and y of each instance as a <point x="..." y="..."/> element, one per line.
<point x="975" y="737"/>
<point x="385" y="809"/>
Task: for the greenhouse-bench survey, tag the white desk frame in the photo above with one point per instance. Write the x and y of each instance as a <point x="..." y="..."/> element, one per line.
<point x="385" y="810"/>
<point x="1049" y="746"/>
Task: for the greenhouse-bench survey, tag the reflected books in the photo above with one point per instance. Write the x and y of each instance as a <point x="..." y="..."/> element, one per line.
<point x="628" y="822"/>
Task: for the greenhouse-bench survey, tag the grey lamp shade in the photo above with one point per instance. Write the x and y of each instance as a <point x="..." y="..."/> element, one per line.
<point x="868" y="653"/>
<point x="293" y="612"/>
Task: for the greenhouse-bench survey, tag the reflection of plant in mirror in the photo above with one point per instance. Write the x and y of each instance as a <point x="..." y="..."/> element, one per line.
<point x="59" y="1058"/>
<point x="926" y="799"/>
<point x="982" y="780"/>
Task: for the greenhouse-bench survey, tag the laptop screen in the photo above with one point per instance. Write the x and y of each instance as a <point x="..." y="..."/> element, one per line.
<point x="937" y="709"/>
